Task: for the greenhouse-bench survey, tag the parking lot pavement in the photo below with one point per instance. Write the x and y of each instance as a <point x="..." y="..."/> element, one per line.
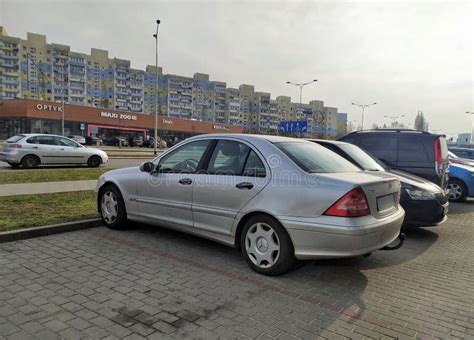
<point x="151" y="282"/>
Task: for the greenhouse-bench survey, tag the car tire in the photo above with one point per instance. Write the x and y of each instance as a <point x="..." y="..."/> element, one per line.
<point x="94" y="161"/>
<point x="30" y="161"/>
<point x="112" y="208"/>
<point x="457" y="190"/>
<point x="266" y="246"/>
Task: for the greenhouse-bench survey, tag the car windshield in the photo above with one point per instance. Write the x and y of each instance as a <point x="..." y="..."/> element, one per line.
<point x="14" y="139"/>
<point x="315" y="158"/>
<point x="366" y="161"/>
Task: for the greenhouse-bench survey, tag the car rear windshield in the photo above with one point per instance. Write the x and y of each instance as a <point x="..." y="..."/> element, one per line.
<point x="315" y="158"/>
<point x="361" y="157"/>
<point x="15" y="139"/>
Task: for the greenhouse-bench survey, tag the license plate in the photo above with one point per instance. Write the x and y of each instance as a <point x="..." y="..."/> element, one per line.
<point x="386" y="202"/>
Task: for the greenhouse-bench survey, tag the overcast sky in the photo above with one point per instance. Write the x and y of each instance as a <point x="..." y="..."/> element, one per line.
<point x="405" y="55"/>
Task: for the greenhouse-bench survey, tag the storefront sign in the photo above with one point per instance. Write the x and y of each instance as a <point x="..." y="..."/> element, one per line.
<point x="47" y="107"/>
<point x="167" y="121"/>
<point x="220" y="127"/>
<point x="124" y="116"/>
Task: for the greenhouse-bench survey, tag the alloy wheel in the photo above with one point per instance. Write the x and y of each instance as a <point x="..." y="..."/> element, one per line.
<point x="262" y="245"/>
<point x="454" y="191"/>
<point x="109" y="207"/>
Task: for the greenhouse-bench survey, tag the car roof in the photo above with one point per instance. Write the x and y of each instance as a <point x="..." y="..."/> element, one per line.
<point x="329" y="141"/>
<point x="38" y="134"/>
<point x="394" y="130"/>
<point x="460" y="148"/>
<point x="250" y="137"/>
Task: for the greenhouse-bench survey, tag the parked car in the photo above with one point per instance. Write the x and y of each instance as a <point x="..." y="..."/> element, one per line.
<point x="277" y="199"/>
<point x="78" y="139"/>
<point x="148" y="143"/>
<point x="31" y="150"/>
<point x="466" y="153"/>
<point x="419" y="153"/>
<point x="461" y="182"/>
<point x="137" y="141"/>
<point x="453" y="158"/>
<point x="93" y="140"/>
<point x="117" y="141"/>
<point x="424" y="202"/>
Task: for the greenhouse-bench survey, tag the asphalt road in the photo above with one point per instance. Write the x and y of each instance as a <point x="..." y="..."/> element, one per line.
<point x="112" y="163"/>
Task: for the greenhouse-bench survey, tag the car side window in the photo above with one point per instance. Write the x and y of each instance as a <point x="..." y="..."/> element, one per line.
<point x="411" y="150"/>
<point x="382" y="146"/>
<point x="254" y="166"/>
<point x="43" y="140"/>
<point x="185" y="159"/>
<point x="65" y="142"/>
<point x="228" y="158"/>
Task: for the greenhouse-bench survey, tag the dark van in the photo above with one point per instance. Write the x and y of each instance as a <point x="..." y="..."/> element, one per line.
<point x="420" y="153"/>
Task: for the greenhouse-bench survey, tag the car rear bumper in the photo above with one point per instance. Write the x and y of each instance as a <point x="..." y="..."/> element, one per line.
<point x="10" y="157"/>
<point x="318" y="241"/>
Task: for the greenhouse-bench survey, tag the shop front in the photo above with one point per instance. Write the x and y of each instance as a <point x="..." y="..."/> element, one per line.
<point x="32" y="116"/>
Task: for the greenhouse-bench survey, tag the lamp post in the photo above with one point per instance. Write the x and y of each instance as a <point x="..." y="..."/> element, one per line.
<point x="156" y="87"/>
<point x="301" y="85"/>
<point x="363" y="106"/>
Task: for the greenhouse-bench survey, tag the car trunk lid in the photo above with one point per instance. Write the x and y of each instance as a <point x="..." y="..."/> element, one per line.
<point x="382" y="190"/>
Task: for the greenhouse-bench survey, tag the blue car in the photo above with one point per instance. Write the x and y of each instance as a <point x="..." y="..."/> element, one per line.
<point x="461" y="182"/>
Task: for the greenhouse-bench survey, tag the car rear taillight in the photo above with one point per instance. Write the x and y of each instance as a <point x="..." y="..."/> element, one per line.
<point x="352" y="204"/>
<point x="438" y="158"/>
<point x="14" y="146"/>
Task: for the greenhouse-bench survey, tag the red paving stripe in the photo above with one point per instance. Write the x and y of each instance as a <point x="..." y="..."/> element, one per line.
<point x="353" y="314"/>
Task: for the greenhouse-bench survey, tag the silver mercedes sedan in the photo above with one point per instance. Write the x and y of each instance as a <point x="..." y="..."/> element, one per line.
<point x="277" y="199"/>
<point x="30" y="150"/>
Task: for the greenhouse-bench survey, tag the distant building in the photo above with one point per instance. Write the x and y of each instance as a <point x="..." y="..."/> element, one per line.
<point x="464" y="139"/>
<point x="34" y="69"/>
<point x="341" y="124"/>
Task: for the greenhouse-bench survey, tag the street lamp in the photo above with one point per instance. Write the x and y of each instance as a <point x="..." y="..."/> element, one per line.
<point x="363" y="106"/>
<point x="301" y="85"/>
<point x="156" y="87"/>
<point x="394" y="118"/>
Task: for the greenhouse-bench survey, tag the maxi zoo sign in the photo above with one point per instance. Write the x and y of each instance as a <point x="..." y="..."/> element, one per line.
<point x="124" y="116"/>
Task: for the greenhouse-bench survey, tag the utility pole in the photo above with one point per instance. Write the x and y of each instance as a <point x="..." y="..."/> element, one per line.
<point x="156" y="87"/>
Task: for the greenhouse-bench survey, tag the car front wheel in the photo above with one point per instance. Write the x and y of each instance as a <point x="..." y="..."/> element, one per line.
<point x="94" y="162"/>
<point x="266" y="246"/>
<point x="112" y="208"/>
<point x="456" y="190"/>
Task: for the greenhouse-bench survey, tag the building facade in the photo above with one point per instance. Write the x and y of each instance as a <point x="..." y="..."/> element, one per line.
<point x="37" y="70"/>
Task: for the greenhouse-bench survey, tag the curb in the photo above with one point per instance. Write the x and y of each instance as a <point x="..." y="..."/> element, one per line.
<point x="23" y="234"/>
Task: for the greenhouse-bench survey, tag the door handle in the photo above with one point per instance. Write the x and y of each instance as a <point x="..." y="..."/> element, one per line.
<point x="61" y="149"/>
<point x="185" y="181"/>
<point x="34" y="147"/>
<point x="244" y="185"/>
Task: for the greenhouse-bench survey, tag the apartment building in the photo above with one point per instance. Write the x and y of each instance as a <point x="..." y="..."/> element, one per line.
<point x="34" y="69"/>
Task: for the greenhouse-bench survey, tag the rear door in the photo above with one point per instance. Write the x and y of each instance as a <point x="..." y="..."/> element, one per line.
<point x="46" y="148"/>
<point x="234" y="175"/>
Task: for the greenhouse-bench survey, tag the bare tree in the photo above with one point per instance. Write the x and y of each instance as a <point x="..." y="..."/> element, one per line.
<point x="375" y="126"/>
<point x="420" y="122"/>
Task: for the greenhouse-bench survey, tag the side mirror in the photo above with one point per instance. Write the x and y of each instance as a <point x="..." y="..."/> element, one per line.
<point x="147" y="167"/>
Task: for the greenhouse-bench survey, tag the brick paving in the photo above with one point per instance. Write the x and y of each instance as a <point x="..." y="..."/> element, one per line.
<point x="159" y="284"/>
